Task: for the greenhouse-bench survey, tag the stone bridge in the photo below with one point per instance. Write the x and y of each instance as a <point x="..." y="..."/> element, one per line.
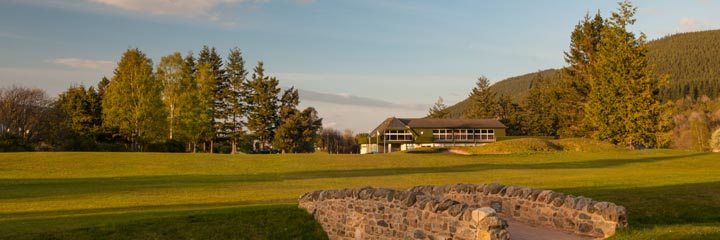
<point x="461" y="211"/>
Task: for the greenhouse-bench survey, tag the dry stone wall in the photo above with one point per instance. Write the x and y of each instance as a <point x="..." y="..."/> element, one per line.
<point x="546" y="208"/>
<point x="376" y="213"/>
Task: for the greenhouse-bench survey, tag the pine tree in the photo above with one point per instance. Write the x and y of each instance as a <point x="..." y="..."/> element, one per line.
<point x="235" y="97"/>
<point x="263" y="106"/>
<point x="132" y="102"/>
<point x="623" y="106"/>
<point x="83" y="111"/>
<point x="439" y="110"/>
<point x="483" y="103"/>
<point x="574" y="85"/>
<point x="510" y="114"/>
<point x="540" y="117"/>
<point x="208" y="56"/>
<point x="298" y="133"/>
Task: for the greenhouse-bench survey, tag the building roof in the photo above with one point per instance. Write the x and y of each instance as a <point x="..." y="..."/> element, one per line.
<point x="402" y="123"/>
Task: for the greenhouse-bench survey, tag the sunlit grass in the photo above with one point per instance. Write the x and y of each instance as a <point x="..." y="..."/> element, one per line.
<point x="669" y="194"/>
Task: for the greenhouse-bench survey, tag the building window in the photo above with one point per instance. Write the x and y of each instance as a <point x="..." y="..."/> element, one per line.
<point x="397" y="135"/>
<point x="463" y="135"/>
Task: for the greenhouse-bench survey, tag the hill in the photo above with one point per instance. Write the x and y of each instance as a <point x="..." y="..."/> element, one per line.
<point x="689" y="58"/>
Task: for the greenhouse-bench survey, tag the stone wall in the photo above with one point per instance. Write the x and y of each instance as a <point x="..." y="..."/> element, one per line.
<point x="376" y="213"/>
<point x="578" y="215"/>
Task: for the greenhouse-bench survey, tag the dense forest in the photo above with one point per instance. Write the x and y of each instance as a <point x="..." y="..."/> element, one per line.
<point x="681" y="80"/>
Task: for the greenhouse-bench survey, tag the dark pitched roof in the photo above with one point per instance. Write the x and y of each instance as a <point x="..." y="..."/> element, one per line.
<point x="401" y="123"/>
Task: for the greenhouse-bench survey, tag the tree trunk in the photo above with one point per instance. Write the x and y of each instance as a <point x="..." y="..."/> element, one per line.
<point x="233" y="143"/>
<point x="212" y="142"/>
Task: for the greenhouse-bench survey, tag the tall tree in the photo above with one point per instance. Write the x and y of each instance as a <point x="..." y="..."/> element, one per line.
<point x="263" y="106"/>
<point x="210" y="57"/>
<point x="483" y="103"/>
<point x="540" y="116"/>
<point x="83" y="110"/>
<point x="574" y="84"/>
<point x="298" y="133"/>
<point x="623" y="106"/>
<point x="194" y="122"/>
<point x="169" y="73"/>
<point x="132" y="101"/>
<point x="235" y="96"/>
<point x="439" y="110"/>
<point x="510" y="114"/>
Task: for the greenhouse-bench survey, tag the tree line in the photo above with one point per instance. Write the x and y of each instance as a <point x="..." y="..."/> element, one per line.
<point x="183" y="104"/>
<point x="608" y="92"/>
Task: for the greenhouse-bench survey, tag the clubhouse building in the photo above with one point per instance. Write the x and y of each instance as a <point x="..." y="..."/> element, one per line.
<point x="400" y="134"/>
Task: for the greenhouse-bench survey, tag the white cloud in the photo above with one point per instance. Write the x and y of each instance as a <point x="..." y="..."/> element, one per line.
<point x="84" y="63"/>
<point x="691" y="25"/>
<point x="210" y="9"/>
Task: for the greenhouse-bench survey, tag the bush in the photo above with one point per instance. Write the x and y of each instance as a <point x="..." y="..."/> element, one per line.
<point x="424" y="150"/>
<point x="167" y="146"/>
<point x="14" y="143"/>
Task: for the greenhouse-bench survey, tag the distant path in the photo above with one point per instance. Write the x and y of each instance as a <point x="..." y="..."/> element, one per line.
<point x="521" y="231"/>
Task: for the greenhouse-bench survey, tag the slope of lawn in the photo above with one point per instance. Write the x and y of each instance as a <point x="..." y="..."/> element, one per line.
<point x="669" y="194"/>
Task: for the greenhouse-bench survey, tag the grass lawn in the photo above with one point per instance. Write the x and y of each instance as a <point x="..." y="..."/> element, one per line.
<point x="669" y="194"/>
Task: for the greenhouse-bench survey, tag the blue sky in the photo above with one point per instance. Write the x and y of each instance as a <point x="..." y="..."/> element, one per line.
<point x="404" y="54"/>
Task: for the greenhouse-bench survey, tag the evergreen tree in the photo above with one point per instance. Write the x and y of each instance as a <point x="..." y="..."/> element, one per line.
<point x="574" y="85"/>
<point x="263" y="106"/>
<point x="298" y="133"/>
<point x="132" y="101"/>
<point x="169" y="73"/>
<point x="623" y="106"/>
<point x="439" y="110"/>
<point x="510" y="114"/>
<point x="483" y="103"/>
<point x="194" y="122"/>
<point x="220" y="91"/>
<point x="540" y="117"/>
<point x="235" y="96"/>
<point x="288" y="104"/>
<point x="82" y="107"/>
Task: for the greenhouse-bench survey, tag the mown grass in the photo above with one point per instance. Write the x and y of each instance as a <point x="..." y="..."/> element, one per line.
<point x="669" y="194"/>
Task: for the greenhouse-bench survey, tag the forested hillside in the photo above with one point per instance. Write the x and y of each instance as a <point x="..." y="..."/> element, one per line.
<point x="690" y="59"/>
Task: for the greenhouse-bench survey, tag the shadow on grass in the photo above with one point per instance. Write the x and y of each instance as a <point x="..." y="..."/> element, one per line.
<point x="33" y="188"/>
<point x="655" y="212"/>
<point x="256" y="222"/>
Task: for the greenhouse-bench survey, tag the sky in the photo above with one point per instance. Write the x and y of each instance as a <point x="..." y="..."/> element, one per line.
<point x="356" y="62"/>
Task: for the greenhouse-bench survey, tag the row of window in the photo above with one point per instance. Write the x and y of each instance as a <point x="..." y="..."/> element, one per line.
<point x="463" y="134"/>
<point x="443" y="135"/>
<point x="398" y="135"/>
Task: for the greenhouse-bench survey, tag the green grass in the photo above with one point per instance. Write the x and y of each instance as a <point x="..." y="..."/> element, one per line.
<point x="669" y="194"/>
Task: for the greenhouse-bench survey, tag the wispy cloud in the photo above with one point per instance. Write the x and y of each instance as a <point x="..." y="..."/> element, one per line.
<point x="349" y="99"/>
<point x="213" y="10"/>
<point x="84" y="63"/>
<point x="691" y="25"/>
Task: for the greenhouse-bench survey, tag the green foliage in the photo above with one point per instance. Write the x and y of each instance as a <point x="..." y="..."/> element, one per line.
<point x="439" y="110"/>
<point x="425" y="150"/>
<point x="298" y="132"/>
<point x="539" y="115"/>
<point x="623" y="107"/>
<point x="132" y="102"/>
<point x="218" y="107"/>
<point x="234" y="96"/>
<point x="691" y="61"/>
<point x="170" y="75"/>
<point x="262" y="105"/>
<point x="483" y="102"/>
<point x="14" y="143"/>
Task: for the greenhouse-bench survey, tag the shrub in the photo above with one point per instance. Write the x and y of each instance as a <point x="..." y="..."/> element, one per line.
<point x="14" y="143"/>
